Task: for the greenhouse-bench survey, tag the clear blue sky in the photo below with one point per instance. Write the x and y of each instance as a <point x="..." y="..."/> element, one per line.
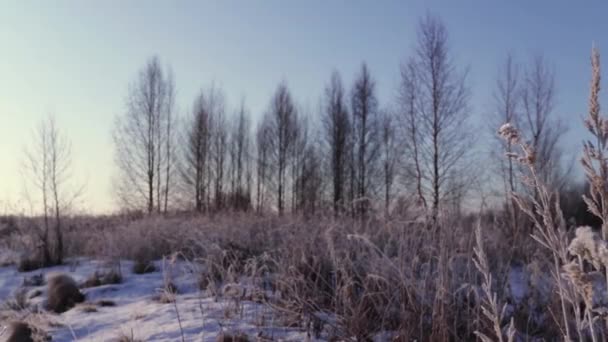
<point x="75" y="59"/>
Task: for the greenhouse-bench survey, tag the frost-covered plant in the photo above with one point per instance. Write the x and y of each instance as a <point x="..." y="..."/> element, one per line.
<point x="595" y="162"/>
<point x="168" y="293"/>
<point x="590" y="286"/>
<point x="542" y="207"/>
<point x="588" y="247"/>
<point x="491" y="308"/>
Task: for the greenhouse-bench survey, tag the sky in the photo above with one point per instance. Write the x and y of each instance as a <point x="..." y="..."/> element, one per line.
<point x="75" y="60"/>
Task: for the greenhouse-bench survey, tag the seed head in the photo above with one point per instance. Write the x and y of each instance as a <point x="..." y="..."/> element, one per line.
<point x="509" y="133"/>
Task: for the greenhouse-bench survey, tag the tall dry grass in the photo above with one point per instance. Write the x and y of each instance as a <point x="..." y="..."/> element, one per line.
<point x="340" y="278"/>
<point x="579" y="265"/>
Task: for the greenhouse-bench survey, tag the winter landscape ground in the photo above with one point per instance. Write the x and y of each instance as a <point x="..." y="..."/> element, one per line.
<point x="136" y="308"/>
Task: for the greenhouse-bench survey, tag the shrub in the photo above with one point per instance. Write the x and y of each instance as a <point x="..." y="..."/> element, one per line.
<point x="29" y="264"/>
<point x="63" y="293"/>
<point x="142" y="266"/>
<point x="20" y="332"/>
<point x="103" y="278"/>
<point x="227" y="337"/>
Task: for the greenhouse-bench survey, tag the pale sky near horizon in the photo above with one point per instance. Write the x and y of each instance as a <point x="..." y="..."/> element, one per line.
<point x="75" y="59"/>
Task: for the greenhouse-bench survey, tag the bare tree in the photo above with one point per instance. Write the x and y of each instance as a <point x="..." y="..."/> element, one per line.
<point x="197" y="151"/>
<point x="507" y="102"/>
<point x="310" y="181"/>
<point x="283" y="121"/>
<point x="170" y="153"/>
<point x="219" y="146"/>
<point x="411" y="125"/>
<point x="389" y="155"/>
<point x="540" y="122"/>
<point x="298" y="156"/>
<point x="352" y="172"/>
<point x="336" y="125"/>
<point x="365" y="135"/>
<point x="142" y="139"/>
<point x="240" y="145"/>
<point x="442" y="107"/>
<point x="49" y="167"/>
<point x="263" y="164"/>
<point x="507" y="98"/>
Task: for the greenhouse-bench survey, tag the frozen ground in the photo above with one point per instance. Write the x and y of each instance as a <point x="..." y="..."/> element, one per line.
<point x="139" y="313"/>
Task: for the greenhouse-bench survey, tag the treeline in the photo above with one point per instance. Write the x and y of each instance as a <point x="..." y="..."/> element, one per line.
<point x="354" y="154"/>
<point x="416" y="151"/>
<point x="344" y="158"/>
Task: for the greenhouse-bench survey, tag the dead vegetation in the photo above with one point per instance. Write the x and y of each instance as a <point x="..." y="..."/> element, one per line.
<point x="19" y="331"/>
<point x="342" y="278"/>
<point x="18" y="301"/>
<point x="99" y="278"/>
<point x="228" y="337"/>
<point x="62" y="293"/>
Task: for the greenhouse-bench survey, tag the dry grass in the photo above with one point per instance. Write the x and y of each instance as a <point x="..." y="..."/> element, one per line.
<point x="18" y="301"/>
<point x="87" y="308"/>
<point x="344" y="278"/>
<point x="491" y="308"/>
<point x="130" y="337"/>
<point x="579" y="267"/>
<point x="339" y="278"/>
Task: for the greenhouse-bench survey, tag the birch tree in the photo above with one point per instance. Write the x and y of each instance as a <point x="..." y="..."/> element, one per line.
<point x="442" y="115"/>
<point x="143" y="141"/>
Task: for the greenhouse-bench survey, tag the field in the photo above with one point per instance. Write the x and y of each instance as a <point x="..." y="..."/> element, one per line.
<point x="288" y="279"/>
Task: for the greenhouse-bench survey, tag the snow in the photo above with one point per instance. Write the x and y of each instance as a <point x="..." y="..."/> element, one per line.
<point x="138" y="312"/>
<point x="518" y="283"/>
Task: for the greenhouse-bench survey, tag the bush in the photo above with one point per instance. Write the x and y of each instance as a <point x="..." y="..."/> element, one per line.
<point x="227" y="337"/>
<point x="142" y="266"/>
<point x="63" y="293"/>
<point x="103" y="278"/>
<point x="20" y="332"/>
<point x="29" y="264"/>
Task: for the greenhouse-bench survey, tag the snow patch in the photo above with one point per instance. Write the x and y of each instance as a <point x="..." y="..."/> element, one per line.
<point x="138" y="313"/>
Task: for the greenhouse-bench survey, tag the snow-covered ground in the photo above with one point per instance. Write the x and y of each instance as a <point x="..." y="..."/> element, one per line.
<point x="138" y="312"/>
